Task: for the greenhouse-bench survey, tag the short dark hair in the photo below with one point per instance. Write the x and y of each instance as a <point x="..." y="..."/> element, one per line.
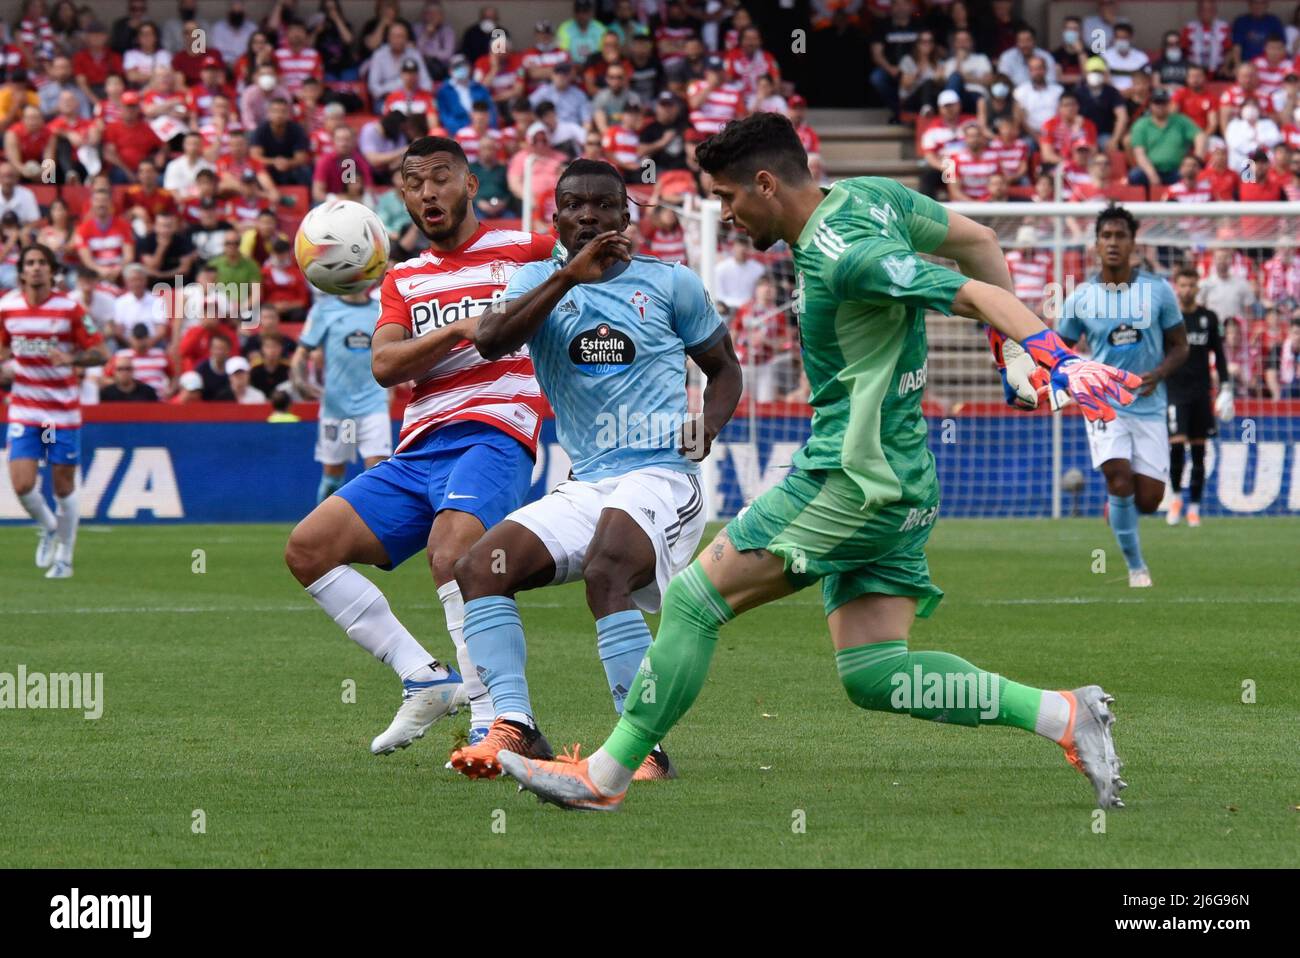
<point x="51" y="260"/>
<point x="481" y="106"/>
<point x="1116" y="212"/>
<point x="760" y="141"/>
<point x="586" y="167"/>
<point x="429" y="145"/>
<point x="1187" y="271"/>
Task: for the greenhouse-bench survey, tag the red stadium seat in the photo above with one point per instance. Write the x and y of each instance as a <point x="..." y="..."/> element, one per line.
<point x="290" y="214"/>
<point x="1159" y="193"/>
<point x="358" y="120"/>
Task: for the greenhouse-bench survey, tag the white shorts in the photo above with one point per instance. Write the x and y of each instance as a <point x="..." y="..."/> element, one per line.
<point x="338" y="441"/>
<point x="667" y="505"/>
<point x="1143" y="442"/>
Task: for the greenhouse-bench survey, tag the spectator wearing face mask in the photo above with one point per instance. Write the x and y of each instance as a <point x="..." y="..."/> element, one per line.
<point x="1072" y="54"/>
<point x="1123" y="59"/>
<point x="1101" y="103"/>
<point x="456" y="97"/>
<point x="1249" y="133"/>
<point x="1171" y="68"/>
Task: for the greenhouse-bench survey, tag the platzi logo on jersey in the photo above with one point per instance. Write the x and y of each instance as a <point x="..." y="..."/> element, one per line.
<point x="602" y="351"/>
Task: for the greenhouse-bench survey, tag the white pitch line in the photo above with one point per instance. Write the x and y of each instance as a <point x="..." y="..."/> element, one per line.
<point x="197" y="609"/>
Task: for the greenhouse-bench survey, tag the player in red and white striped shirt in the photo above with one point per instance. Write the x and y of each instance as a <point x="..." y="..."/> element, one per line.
<point x="465" y="456"/>
<point x="49" y="336"/>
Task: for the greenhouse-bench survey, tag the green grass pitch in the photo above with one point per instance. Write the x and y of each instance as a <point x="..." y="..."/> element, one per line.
<point x="224" y="693"/>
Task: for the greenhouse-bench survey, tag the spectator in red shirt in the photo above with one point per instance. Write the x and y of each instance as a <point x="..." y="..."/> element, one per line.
<point x="1221" y="179"/>
<point x="749" y="61"/>
<point x="341" y="167"/>
<point x="129" y="142"/>
<point x="283" y="285"/>
<point x="1060" y="133"/>
<point x="765" y="345"/>
<point x="190" y="60"/>
<point x="196" y="343"/>
<point x="95" y="62"/>
<point x="1195" y="102"/>
<point x="1266" y="185"/>
<point x="25" y="143"/>
<point x="104" y="241"/>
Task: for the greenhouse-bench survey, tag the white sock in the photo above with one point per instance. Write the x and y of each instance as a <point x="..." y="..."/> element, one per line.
<point x="481" y="711"/>
<point x="37" y="508"/>
<point x="1053" y="716"/>
<point x="357" y="605"/>
<point x="607" y="773"/>
<point x="66" y="519"/>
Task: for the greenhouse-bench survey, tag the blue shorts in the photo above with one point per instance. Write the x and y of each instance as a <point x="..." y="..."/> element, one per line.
<point x="467" y="466"/>
<point x="26" y="442"/>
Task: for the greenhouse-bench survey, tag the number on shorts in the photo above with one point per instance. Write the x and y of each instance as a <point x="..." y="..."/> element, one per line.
<point x="1097" y="425"/>
<point x="332" y="431"/>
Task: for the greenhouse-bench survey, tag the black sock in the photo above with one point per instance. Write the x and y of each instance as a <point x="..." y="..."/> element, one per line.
<point x="1198" y="472"/>
<point x="1176" y="467"/>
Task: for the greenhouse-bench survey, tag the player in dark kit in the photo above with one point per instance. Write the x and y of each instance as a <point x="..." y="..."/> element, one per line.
<point x="1191" y="414"/>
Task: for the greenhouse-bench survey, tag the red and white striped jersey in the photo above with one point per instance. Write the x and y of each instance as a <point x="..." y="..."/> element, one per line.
<point x="1281" y="280"/>
<point x="1198" y="192"/>
<point x="295" y="67"/>
<point x="433" y="290"/>
<point x="1243" y="267"/>
<point x="1029" y="270"/>
<point x="44" y="393"/>
<point x="1207" y="44"/>
<point x="1235" y="97"/>
<point x="411" y="102"/>
<point x="1010" y="155"/>
<point x="723" y="104"/>
<point x="973" y="171"/>
<point x="667" y="245"/>
<point x="535" y="59"/>
<point x="619" y="144"/>
<point x="1271" y="75"/>
<point x="468" y="139"/>
<point x="941" y="138"/>
<point x="152" y="367"/>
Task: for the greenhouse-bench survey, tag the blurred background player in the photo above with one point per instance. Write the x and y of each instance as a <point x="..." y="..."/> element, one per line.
<point x="858" y="507"/>
<point x="464" y="459"/>
<point x="50" y="337"/>
<point x="354" y="408"/>
<point x="1131" y="320"/>
<point x="609" y="334"/>
<point x="1191" y="413"/>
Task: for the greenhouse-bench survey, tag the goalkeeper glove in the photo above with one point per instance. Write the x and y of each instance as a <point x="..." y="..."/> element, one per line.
<point x="1223" y="405"/>
<point x="1024" y="383"/>
<point x="1095" y="386"/>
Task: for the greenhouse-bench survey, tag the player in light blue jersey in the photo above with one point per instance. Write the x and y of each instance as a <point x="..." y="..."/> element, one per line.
<point x="353" y="407"/>
<point x="1132" y="321"/>
<point x="609" y="334"/>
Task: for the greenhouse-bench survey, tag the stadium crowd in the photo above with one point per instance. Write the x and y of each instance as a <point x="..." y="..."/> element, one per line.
<point x="168" y="163"/>
<point x="1207" y="113"/>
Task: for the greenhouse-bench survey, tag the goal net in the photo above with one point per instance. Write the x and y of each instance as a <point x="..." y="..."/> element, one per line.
<point x="997" y="461"/>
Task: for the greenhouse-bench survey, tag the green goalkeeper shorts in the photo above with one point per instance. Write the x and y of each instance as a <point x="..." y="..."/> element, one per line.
<point x="813" y="520"/>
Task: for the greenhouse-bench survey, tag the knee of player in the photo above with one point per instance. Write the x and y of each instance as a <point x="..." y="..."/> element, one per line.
<point x="303" y="555"/>
<point x="442" y="563"/>
<point x="474" y="574"/>
<point x="23" y="486"/>
<point x="1148" y="504"/>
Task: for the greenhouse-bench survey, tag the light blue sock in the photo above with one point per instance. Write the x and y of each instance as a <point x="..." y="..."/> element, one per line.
<point x="328" y="486"/>
<point x="621" y="640"/>
<point x="495" y="639"/>
<point x="1124" y="523"/>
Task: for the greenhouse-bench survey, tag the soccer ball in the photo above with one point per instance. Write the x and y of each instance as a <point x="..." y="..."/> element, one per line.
<point x="342" y="247"/>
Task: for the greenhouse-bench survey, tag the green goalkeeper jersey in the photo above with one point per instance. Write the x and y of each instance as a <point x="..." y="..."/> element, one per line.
<point x="861" y="296"/>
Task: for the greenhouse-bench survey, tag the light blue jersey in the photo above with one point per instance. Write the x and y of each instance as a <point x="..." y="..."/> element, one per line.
<point x="611" y="359"/>
<point x="1125" y="328"/>
<point x="344" y="329"/>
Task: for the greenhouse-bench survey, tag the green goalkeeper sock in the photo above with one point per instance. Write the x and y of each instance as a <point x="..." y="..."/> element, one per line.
<point x="940" y="687"/>
<point x="673" y="671"/>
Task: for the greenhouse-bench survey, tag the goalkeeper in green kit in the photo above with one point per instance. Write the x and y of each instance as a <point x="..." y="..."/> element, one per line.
<point x="857" y="509"/>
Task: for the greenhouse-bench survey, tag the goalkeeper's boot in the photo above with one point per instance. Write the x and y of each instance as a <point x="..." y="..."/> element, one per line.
<point x="1139" y="578"/>
<point x="423" y="703"/>
<point x="1175" y="514"/>
<point x="1089" y="746"/>
<point x="565" y="782"/>
<point x="480" y="761"/>
<point x="46" y="548"/>
<point x="1193" y="516"/>
<point x="657" y="767"/>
